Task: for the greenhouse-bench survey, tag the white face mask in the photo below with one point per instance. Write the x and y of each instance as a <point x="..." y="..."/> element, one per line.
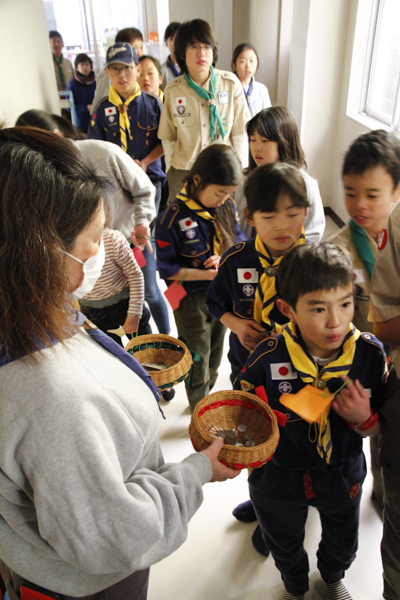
<point x="91" y="272"/>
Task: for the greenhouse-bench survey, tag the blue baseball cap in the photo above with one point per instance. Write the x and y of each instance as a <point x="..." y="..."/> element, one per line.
<point x="123" y="53"/>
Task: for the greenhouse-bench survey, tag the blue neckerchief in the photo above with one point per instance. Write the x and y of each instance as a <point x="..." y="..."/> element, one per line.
<point x="249" y="91"/>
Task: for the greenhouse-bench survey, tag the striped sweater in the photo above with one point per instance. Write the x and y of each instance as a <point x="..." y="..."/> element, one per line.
<point x="120" y="271"/>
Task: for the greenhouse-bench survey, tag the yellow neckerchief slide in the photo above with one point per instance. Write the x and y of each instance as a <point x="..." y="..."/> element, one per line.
<point x="266" y="295"/>
<point x="308" y="372"/>
<point x="124" y="125"/>
<point x="202" y="212"/>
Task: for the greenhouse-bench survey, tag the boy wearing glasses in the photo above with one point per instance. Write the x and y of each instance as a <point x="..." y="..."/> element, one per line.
<point x="129" y="116"/>
<point x="201" y="106"/>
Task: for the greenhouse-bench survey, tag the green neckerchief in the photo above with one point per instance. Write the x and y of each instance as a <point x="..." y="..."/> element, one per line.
<point x="58" y="62"/>
<point x="361" y="242"/>
<point x="210" y="97"/>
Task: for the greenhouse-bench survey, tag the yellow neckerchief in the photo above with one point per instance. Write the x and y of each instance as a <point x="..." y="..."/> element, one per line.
<point x="124" y="125"/>
<point x="308" y="371"/>
<point x="266" y="295"/>
<point x="202" y="212"/>
<point x="161" y="95"/>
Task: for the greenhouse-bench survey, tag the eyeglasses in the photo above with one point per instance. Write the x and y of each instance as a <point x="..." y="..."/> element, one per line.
<point x="196" y="47"/>
<point x="117" y="70"/>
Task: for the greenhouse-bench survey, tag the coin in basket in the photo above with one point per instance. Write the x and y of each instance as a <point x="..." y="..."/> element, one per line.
<point x="241" y="428"/>
<point x="248" y="436"/>
<point x="229" y="433"/>
<point x="230" y="440"/>
<point x="250" y="444"/>
<point x="221" y="433"/>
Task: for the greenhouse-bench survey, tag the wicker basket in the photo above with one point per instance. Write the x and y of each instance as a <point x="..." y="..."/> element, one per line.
<point x="227" y="410"/>
<point x="161" y="348"/>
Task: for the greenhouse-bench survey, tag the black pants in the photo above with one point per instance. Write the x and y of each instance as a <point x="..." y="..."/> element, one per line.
<point x="281" y="498"/>
<point x="133" y="587"/>
<point x="111" y="317"/>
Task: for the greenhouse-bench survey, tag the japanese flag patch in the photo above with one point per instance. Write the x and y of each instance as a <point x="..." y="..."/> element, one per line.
<point x="359" y="276"/>
<point x="283" y="371"/>
<point x="111" y="110"/>
<point x="180" y="101"/>
<point x="187" y="223"/>
<point x="247" y="275"/>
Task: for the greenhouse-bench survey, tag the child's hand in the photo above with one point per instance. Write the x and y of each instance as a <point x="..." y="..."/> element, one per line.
<point x="249" y="333"/>
<point x="131" y="324"/>
<point x="212" y="262"/>
<point x="352" y="403"/>
<point x="140" y="237"/>
<point x="220" y="471"/>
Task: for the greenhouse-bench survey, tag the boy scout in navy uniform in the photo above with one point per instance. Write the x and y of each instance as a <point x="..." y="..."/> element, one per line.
<point x="318" y="463"/>
<point x="129" y="117"/>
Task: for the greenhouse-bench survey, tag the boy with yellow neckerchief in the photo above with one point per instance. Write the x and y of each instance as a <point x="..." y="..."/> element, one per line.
<point x="129" y="117"/>
<point x="318" y="462"/>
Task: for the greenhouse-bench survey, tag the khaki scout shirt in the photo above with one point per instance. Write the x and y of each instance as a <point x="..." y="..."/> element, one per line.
<point x="68" y="71"/>
<point x="189" y="126"/>
<point x="361" y="276"/>
<point x="385" y="283"/>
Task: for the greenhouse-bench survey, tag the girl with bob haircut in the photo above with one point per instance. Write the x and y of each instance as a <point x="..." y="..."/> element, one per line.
<point x="245" y="63"/>
<point x="274" y="137"/>
<point x="191" y="236"/>
<point x="68" y="390"/>
<point x="201" y="107"/>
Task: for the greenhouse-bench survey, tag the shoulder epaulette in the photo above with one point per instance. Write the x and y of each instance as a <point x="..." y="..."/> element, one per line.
<point x="170" y="214"/>
<point x="270" y="345"/>
<point x="153" y="96"/>
<point x="371" y="339"/>
<point x="234" y="250"/>
<point x="100" y="102"/>
<point x="228" y="75"/>
<point x="174" y="81"/>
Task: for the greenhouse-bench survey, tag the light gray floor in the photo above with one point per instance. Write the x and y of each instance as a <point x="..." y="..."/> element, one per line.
<point x="218" y="562"/>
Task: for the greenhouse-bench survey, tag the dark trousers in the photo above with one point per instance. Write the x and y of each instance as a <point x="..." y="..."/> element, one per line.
<point x="281" y="498"/>
<point x="112" y="317"/>
<point x="133" y="587"/>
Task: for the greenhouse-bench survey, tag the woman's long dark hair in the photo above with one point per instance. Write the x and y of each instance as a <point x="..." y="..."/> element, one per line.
<point x="49" y="193"/>
<point x="217" y="165"/>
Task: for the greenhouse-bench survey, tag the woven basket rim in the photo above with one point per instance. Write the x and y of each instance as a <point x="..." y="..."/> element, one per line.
<point x="165" y="378"/>
<point x="246" y="453"/>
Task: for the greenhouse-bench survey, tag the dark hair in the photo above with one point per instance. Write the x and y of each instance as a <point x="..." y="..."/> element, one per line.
<point x="238" y="50"/>
<point x="153" y="60"/>
<point x="129" y="35"/>
<point x="37" y="118"/>
<point x="217" y="165"/>
<point x="171" y="30"/>
<point x="53" y="34"/>
<point x="192" y="32"/>
<point x="278" y="124"/>
<point x="81" y="58"/>
<point x="373" y="149"/>
<point x="66" y="128"/>
<point x="49" y="193"/>
<point x="311" y="267"/>
<point x="265" y="185"/>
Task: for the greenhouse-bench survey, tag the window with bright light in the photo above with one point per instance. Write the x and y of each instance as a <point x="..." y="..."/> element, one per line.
<point x="382" y="100"/>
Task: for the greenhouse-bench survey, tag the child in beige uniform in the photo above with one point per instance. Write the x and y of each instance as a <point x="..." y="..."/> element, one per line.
<point x="371" y="179"/>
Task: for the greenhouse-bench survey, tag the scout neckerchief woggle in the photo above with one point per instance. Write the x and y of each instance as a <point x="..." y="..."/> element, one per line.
<point x="210" y="97"/>
<point x="266" y="295"/>
<point x="58" y="62"/>
<point x="308" y="371"/>
<point x="204" y="214"/>
<point x="124" y="125"/>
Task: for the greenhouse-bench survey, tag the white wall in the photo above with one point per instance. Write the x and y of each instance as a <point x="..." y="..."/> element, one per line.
<point x="24" y="41"/>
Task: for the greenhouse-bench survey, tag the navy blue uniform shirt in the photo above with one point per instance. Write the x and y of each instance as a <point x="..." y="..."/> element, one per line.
<point x="270" y="366"/>
<point x="184" y="239"/>
<point x="144" y="116"/>
<point x="233" y="290"/>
